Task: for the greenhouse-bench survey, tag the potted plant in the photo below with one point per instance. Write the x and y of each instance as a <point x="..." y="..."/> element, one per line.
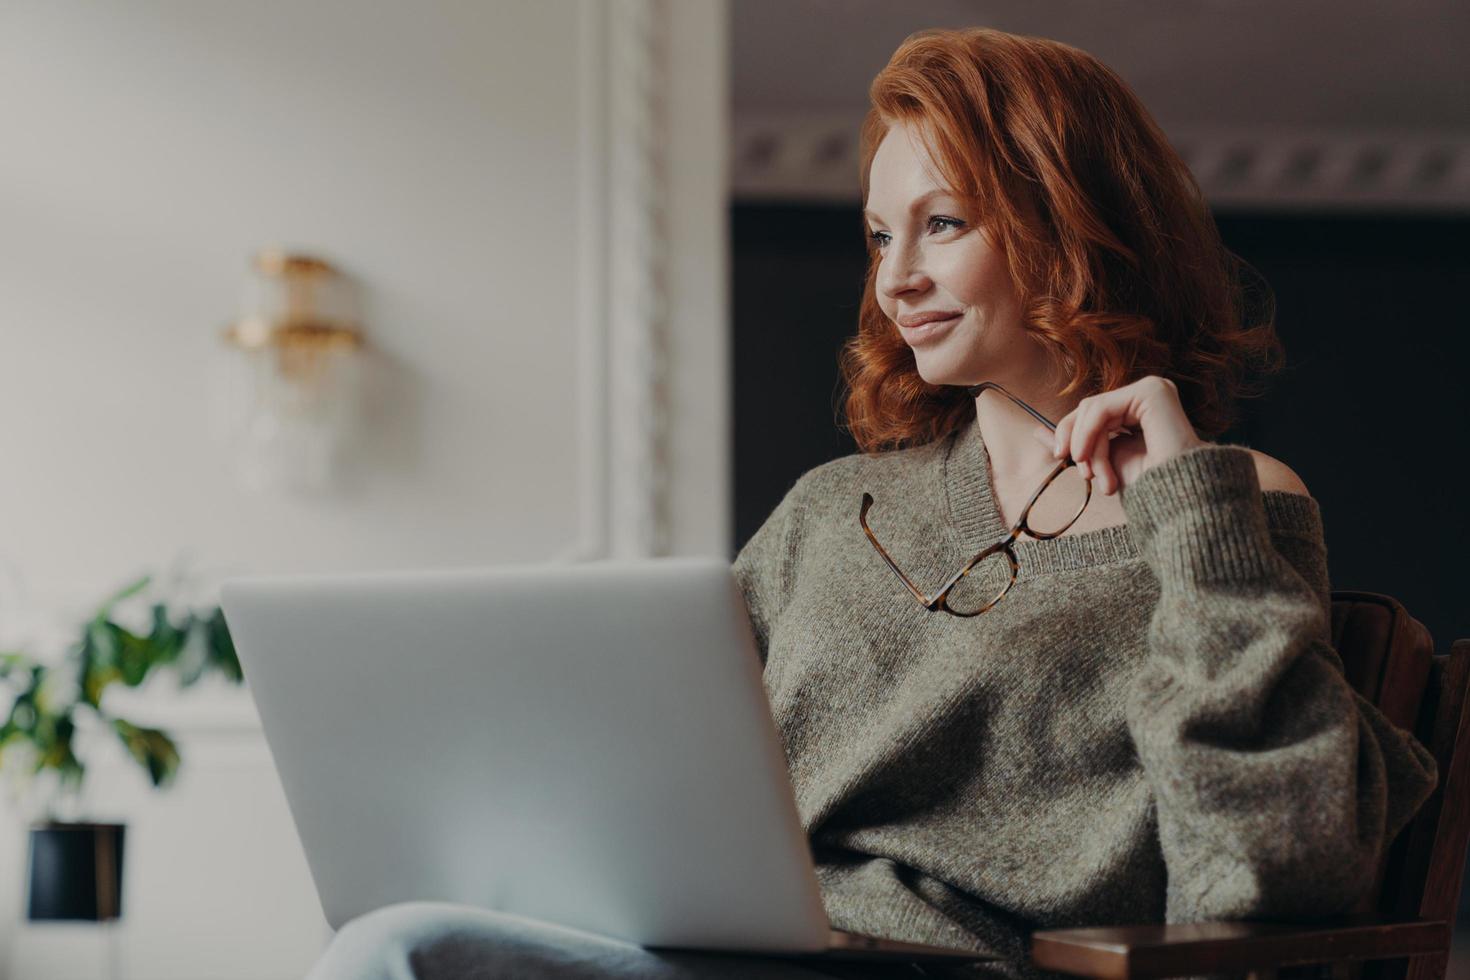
<point x="76" y="866"/>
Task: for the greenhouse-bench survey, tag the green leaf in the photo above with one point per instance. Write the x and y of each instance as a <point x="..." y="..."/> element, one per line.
<point x="107" y="653"/>
<point x="95" y="681"/>
<point x="222" y="647"/>
<point x="195" y="656"/>
<point x="101" y="641"/>
<point x="152" y="748"/>
<point x="53" y="739"/>
<point x="165" y="638"/>
<point x="135" y="655"/>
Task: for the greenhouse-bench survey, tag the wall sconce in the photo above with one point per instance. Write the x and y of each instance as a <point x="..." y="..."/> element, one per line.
<point x="294" y="389"/>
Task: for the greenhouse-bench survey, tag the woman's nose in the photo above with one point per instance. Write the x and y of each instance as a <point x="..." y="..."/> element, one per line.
<point x="901" y="272"/>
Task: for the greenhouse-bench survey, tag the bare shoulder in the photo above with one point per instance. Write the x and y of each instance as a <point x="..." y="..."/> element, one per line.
<point x="1276" y="475"/>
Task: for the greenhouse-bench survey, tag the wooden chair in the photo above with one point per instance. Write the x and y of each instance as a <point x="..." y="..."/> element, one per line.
<point x="1404" y="931"/>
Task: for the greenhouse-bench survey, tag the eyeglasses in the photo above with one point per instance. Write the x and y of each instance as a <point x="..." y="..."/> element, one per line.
<point x="940" y="602"/>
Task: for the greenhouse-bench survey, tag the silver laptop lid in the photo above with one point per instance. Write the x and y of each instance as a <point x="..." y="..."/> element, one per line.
<point x="585" y="744"/>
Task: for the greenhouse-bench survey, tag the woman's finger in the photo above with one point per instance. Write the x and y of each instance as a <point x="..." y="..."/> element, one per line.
<point x="1102" y="465"/>
<point x="1091" y="418"/>
<point x="1095" y="458"/>
<point x="1067" y="437"/>
<point x="1101" y="415"/>
<point x="1063" y="436"/>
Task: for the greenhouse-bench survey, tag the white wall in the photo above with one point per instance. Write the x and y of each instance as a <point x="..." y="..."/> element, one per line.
<point x="440" y="153"/>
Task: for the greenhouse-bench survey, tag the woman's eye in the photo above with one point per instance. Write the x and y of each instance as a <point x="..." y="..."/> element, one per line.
<point x="880" y="238"/>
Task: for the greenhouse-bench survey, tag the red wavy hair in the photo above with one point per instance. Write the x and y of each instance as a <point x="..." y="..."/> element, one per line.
<point x="1116" y="257"/>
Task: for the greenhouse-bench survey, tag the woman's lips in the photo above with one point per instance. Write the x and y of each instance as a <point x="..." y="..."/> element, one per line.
<point x="928" y="331"/>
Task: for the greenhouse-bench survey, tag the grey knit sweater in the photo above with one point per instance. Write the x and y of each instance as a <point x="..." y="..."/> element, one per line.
<point x="1151" y="726"/>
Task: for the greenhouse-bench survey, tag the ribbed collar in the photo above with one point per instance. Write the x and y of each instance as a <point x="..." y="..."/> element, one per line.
<point x="977" y="523"/>
<point x="976" y="517"/>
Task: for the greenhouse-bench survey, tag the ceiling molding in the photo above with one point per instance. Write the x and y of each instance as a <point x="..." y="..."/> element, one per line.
<point x="814" y="159"/>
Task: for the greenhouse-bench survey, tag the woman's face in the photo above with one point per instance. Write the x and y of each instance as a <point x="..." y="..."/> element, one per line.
<point x="935" y="257"/>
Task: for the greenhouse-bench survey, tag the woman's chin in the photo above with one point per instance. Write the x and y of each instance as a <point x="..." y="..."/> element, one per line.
<point x="940" y="371"/>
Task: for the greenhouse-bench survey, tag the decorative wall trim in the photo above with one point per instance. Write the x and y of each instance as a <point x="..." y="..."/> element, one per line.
<point x="638" y="121"/>
<point x="815" y="158"/>
<point x="624" y="480"/>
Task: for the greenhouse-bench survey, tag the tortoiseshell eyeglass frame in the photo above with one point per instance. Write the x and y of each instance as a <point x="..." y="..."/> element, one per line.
<point x="940" y="601"/>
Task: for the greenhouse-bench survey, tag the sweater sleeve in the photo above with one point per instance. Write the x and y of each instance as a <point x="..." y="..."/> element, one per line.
<point x="765" y="567"/>
<point x="1277" y="787"/>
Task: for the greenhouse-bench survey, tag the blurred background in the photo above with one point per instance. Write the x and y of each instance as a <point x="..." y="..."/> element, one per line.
<point x="357" y="285"/>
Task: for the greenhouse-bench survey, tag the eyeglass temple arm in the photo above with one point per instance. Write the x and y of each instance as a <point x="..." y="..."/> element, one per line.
<point x="924" y="600"/>
<point x="975" y="391"/>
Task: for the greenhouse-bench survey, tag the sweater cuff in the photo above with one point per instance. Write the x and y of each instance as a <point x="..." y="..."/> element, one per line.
<point x="1199" y="517"/>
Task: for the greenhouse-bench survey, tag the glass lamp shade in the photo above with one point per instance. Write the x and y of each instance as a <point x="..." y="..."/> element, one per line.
<point x="293" y="389"/>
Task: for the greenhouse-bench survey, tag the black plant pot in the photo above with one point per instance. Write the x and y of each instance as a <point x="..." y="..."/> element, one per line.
<point x="75" y="872"/>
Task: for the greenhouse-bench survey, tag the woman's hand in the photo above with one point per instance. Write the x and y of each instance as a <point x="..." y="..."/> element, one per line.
<point x="1117" y="435"/>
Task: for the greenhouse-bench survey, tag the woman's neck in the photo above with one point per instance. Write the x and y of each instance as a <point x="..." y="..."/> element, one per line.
<point x="1009" y="432"/>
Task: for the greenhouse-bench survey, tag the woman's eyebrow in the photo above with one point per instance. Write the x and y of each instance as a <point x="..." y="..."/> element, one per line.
<point x="916" y="205"/>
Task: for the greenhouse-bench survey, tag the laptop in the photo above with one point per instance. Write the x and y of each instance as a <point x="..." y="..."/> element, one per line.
<point x="585" y="744"/>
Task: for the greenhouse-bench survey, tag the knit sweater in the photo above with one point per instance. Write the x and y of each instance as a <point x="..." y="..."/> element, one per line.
<point x="1151" y="726"/>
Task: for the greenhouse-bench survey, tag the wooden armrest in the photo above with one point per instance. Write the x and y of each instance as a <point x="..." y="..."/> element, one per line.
<point x="1214" y="947"/>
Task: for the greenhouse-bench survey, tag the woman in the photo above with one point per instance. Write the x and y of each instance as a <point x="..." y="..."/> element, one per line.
<point x="1148" y="722"/>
